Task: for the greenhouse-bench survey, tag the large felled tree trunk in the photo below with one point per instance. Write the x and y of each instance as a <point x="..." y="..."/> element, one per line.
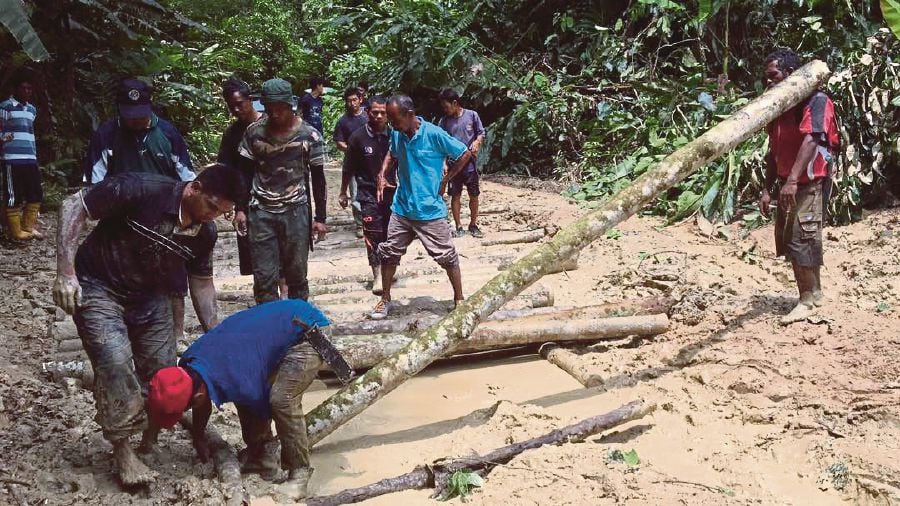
<point x="430" y="345"/>
<point x="367" y="350"/>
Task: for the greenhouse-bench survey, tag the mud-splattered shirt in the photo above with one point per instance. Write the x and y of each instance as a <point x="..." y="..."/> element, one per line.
<point x="138" y="246"/>
<point x="281" y="165"/>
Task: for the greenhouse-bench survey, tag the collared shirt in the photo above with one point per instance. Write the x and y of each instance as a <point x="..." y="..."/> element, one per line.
<point x="465" y="128"/>
<point x="160" y="149"/>
<point x="348" y="124"/>
<point x="420" y="170"/>
<point x="365" y="153"/>
<point x="18" y="119"/>
<point x="816" y="117"/>
<point x="138" y="246"/>
<point x="282" y="165"/>
<point x="236" y="364"/>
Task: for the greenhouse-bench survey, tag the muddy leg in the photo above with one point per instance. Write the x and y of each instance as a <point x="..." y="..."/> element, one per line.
<point x="297" y="370"/>
<point x="130" y="468"/>
<point x="807" y="284"/>
<point x="456" y="208"/>
<point x="455" y="275"/>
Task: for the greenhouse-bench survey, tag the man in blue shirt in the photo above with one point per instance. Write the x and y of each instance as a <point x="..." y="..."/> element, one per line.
<point x="18" y="154"/>
<point x="311" y="104"/>
<point x="419" y="148"/>
<point x="260" y="360"/>
<point x="464" y="125"/>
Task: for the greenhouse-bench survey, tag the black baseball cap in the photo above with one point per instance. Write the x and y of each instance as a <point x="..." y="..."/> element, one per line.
<point x="134" y="99"/>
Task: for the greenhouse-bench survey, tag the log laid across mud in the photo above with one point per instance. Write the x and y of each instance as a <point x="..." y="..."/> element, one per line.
<point x="364" y="351"/>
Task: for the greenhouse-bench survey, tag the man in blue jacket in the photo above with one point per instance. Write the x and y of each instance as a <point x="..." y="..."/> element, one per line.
<point x="259" y="359"/>
<point x="137" y="140"/>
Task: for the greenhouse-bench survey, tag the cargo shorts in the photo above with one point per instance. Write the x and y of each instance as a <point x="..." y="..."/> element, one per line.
<point x="798" y="233"/>
<point x="434" y="234"/>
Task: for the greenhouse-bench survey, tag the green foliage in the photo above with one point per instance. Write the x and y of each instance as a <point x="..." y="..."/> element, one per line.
<point x="629" y="458"/>
<point x="590" y="93"/>
<point x="15" y="19"/>
<point x="461" y="484"/>
<point x="890" y="9"/>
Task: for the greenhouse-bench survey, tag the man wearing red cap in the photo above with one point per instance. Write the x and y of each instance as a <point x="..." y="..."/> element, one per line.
<point x="259" y="359"/>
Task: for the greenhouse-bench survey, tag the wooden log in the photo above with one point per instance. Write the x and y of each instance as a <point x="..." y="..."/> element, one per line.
<point x="519" y="238"/>
<point x="438" y="473"/>
<point x="442" y="337"/>
<point x="228" y="469"/>
<point x="650" y="305"/>
<point x="71" y="345"/>
<point x="369" y="327"/>
<point x="571" y="363"/>
<point x="569" y="264"/>
<point x="364" y="351"/>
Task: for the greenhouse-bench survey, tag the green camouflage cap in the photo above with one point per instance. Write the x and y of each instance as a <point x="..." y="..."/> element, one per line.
<point x="277" y="90"/>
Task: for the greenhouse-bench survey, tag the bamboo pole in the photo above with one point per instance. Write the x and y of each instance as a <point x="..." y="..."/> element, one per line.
<point x="458" y="325"/>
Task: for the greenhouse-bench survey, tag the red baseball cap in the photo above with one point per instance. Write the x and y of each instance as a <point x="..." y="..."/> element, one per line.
<point x="169" y="395"/>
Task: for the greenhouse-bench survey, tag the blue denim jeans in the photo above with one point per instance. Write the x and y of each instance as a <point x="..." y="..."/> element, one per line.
<point x="128" y="339"/>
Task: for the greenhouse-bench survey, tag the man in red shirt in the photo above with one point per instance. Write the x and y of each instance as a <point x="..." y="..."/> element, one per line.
<point x="800" y="145"/>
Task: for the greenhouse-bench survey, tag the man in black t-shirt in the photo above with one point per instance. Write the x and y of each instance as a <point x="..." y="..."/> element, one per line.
<point x="237" y="96"/>
<point x="353" y="118"/>
<point x="155" y="236"/>
<point x="366" y="150"/>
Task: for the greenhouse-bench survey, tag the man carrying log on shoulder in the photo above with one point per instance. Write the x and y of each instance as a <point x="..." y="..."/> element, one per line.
<point x="419" y="148"/>
<point x="155" y="235"/>
<point x="801" y="142"/>
<point x="366" y="148"/>
<point x="285" y="338"/>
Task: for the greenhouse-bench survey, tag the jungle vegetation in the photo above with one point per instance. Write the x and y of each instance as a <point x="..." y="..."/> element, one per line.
<point x="586" y="93"/>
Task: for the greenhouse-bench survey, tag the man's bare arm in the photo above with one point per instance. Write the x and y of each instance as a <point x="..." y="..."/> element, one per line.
<point x="203" y="296"/>
<point x="458" y="165"/>
<point x="787" y="197"/>
<point x="342" y="146"/>
<point x="381" y="183"/>
<point x="72" y="216"/>
<point x="201" y="409"/>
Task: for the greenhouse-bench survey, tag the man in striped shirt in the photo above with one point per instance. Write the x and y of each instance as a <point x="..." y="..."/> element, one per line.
<point x="21" y="176"/>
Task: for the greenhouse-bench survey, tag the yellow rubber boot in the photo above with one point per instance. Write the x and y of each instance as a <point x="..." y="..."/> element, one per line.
<point x="14" y="220"/>
<point x="29" y="219"/>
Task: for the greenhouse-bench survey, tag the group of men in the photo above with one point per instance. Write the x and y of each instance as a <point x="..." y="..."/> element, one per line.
<point x="153" y="244"/>
<point x="155" y="237"/>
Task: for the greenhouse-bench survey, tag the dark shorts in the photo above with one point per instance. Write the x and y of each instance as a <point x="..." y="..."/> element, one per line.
<point x="21" y="184"/>
<point x="798" y="233"/>
<point x="468" y="178"/>
<point x="434" y="234"/>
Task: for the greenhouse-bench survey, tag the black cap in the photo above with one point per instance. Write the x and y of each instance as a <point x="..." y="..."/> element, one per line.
<point x="134" y="99"/>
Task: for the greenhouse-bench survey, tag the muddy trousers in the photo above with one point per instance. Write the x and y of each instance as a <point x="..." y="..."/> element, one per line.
<point x="279" y="243"/>
<point x="128" y="339"/>
<point x="295" y="373"/>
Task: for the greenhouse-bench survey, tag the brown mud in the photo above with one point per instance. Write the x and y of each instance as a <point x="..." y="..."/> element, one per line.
<point x="750" y="412"/>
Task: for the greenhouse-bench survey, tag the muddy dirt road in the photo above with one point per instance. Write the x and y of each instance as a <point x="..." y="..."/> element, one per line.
<point x="749" y="412"/>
